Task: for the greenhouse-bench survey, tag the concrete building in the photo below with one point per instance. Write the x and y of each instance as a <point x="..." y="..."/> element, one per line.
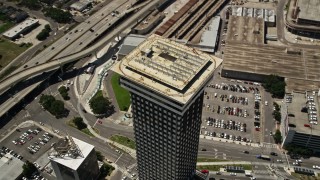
<point x="22" y="28"/>
<point x="166" y="81"/>
<point x="81" y="5"/>
<point x="209" y="38"/>
<point x="303" y="18"/>
<point x="301" y="129"/>
<point x="308" y="12"/>
<point x="300" y="67"/>
<point x="268" y="15"/>
<point x="246" y="29"/>
<point x="129" y="44"/>
<point x="10" y="167"/>
<point x="73" y="159"/>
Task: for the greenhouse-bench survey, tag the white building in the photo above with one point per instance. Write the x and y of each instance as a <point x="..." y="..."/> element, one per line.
<point x="21" y="28"/>
<point x="73" y="159"/>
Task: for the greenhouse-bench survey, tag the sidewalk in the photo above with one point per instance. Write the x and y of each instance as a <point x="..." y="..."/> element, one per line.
<point x="222" y="163"/>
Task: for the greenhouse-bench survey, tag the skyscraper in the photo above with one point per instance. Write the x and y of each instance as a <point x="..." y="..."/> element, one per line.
<point x="166" y="82"/>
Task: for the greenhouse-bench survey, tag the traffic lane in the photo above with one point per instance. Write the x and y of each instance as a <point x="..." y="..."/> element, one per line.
<point x="60" y="124"/>
<point x="116" y="175"/>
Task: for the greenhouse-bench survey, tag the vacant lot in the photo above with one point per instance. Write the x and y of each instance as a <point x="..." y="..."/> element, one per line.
<point x="5" y="26"/>
<point x="9" y="51"/>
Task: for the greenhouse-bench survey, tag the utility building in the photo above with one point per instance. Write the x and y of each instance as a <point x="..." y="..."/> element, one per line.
<point x="166" y="81"/>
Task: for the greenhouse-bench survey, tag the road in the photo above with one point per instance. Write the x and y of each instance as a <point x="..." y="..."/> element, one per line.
<point x="31" y="71"/>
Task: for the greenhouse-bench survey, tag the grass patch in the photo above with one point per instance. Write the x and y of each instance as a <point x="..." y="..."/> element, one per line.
<point x="124" y="141"/>
<point x="304" y="177"/>
<point x="217" y="167"/>
<point x="5" y="26"/>
<point x="211" y="160"/>
<point x="9" y="51"/>
<point x="122" y="95"/>
<point x="85" y="130"/>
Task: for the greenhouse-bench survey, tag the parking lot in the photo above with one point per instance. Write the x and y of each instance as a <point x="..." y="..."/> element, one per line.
<point x="231" y="110"/>
<point x="29" y="142"/>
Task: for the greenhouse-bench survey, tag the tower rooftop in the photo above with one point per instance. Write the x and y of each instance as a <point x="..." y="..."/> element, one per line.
<point x="167" y="67"/>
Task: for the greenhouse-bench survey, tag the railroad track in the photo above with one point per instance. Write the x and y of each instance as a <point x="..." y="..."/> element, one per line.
<point x="196" y="17"/>
<point x="184" y="19"/>
<point x="204" y="20"/>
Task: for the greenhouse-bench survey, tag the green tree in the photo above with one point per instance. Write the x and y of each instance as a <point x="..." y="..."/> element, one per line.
<point x="277" y="116"/>
<point x="47" y="27"/>
<point x="105" y="170"/>
<point x="57" y="108"/>
<point x="58" y="15"/>
<point x="275" y="85"/>
<point x="100" y="104"/>
<point x="78" y="121"/>
<point x="100" y="157"/>
<point x="31" y="4"/>
<point x="44" y="34"/>
<point x="64" y="92"/>
<point x="277" y="137"/>
<point x="28" y="169"/>
<point x="46" y="101"/>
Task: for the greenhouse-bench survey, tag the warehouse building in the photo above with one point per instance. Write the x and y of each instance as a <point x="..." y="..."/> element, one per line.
<point x="22" y="28"/>
<point x="268" y="15"/>
<point x="81" y="5"/>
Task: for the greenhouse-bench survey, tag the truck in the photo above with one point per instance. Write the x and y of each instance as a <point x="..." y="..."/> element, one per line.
<point x="264" y="157"/>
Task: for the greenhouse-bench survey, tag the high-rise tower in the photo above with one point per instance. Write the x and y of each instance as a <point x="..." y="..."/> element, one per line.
<point x="166" y="81"/>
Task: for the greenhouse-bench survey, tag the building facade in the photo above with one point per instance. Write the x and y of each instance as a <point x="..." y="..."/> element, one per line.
<point x="74" y="161"/>
<point x="166" y="105"/>
<point x="166" y="133"/>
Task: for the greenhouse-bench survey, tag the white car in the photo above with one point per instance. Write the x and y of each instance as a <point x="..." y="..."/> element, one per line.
<point x="315" y="167"/>
<point x="233" y="174"/>
<point x="266" y="103"/>
<point x="279" y="160"/>
<point x="133" y="175"/>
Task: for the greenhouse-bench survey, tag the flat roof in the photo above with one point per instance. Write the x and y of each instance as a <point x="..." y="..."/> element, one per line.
<point x="209" y="36"/>
<point x="246" y="29"/>
<point x="300" y="64"/>
<point x="309" y="9"/>
<point x="20" y="27"/>
<point x="170" y="68"/>
<point x="298" y="101"/>
<point x="130" y="43"/>
<point x="10" y="167"/>
<point x="71" y="162"/>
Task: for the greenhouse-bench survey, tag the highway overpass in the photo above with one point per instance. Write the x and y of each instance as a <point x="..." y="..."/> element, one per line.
<point x="32" y="71"/>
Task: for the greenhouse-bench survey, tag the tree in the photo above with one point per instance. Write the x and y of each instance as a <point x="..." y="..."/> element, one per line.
<point x="47" y="27"/>
<point x="58" y="15"/>
<point x="64" y="92"/>
<point x="277" y="116"/>
<point x="46" y="101"/>
<point x="100" y="157"/>
<point x="31" y="4"/>
<point x="105" y="170"/>
<point x="28" y="169"/>
<point x="78" y="121"/>
<point x="275" y="85"/>
<point x="277" y="137"/>
<point x="100" y="104"/>
<point x="57" y="108"/>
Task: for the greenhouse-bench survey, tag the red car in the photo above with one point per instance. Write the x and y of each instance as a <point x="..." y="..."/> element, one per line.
<point x="204" y="171"/>
<point x="257" y="129"/>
